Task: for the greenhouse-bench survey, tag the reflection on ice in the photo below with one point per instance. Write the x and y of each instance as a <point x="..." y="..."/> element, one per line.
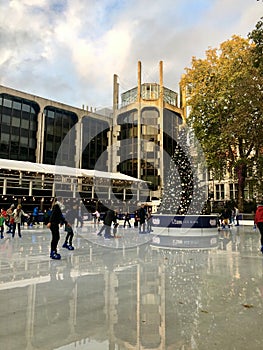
<point x="136" y="298"/>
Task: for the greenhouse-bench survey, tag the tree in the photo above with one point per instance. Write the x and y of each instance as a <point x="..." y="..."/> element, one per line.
<point x="256" y="37"/>
<point x="224" y="92"/>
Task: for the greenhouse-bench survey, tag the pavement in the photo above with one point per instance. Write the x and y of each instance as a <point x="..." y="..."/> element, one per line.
<point x="124" y="293"/>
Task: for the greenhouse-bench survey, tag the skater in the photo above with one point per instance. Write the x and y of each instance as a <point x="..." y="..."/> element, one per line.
<point x="35" y="216"/>
<point x="116" y="224"/>
<point x="96" y="216"/>
<point x="71" y="216"/>
<point x="142" y="215"/>
<point x="258" y="221"/>
<point x="56" y="219"/>
<point x="10" y="218"/>
<point x="127" y="219"/>
<point x="236" y="215"/>
<point x="136" y="218"/>
<point x="149" y="220"/>
<point x="69" y="237"/>
<point x="2" y="222"/>
<point x="225" y="218"/>
<point x="110" y="218"/>
<point x="18" y="213"/>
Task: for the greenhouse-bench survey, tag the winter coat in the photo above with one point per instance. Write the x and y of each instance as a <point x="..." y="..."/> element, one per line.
<point x="56" y="216"/>
<point x="142" y="215"/>
<point x="110" y="217"/>
<point x="18" y="215"/>
<point x="259" y="214"/>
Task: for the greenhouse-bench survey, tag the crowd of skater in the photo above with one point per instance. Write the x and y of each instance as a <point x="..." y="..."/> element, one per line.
<point x="70" y="216"/>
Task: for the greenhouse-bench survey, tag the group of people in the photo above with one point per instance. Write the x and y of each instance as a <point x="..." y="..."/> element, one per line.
<point x="229" y="217"/>
<point x="58" y="216"/>
<point x="56" y="220"/>
<point x="12" y="218"/>
<point x="143" y="219"/>
<point x="15" y="217"/>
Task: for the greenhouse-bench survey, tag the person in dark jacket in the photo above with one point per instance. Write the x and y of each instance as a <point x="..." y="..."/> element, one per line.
<point x="258" y="220"/>
<point x="142" y="215"/>
<point x="127" y="220"/>
<point x="110" y="217"/>
<point x="56" y="219"/>
<point x="71" y="216"/>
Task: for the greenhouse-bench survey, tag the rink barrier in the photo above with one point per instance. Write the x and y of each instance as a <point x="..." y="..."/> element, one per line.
<point x="185" y="231"/>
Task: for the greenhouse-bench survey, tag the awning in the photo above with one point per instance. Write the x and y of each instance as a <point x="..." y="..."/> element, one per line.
<point x="62" y="170"/>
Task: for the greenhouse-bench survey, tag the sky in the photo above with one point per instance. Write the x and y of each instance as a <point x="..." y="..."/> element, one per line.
<point x="68" y="51"/>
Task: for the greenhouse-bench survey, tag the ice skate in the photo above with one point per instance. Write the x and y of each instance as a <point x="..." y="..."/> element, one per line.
<point x="54" y="255"/>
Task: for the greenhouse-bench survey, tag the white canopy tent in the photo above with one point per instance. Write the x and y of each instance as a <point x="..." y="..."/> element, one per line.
<point x="62" y="170"/>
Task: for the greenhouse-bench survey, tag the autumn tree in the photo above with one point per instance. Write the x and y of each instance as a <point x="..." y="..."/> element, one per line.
<point x="224" y="92"/>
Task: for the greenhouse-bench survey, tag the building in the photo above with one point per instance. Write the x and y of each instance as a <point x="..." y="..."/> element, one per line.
<point x="33" y="128"/>
<point x="39" y="137"/>
<point x="146" y="121"/>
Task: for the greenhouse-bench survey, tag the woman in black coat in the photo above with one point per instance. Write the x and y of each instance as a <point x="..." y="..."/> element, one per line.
<point x="56" y="219"/>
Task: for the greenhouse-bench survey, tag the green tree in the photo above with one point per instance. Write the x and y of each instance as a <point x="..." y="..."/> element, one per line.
<point x="224" y="92"/>
<point x="256" y="37"/>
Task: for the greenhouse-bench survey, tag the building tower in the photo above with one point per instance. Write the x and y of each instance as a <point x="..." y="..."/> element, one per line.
<point x="145" y="128"/>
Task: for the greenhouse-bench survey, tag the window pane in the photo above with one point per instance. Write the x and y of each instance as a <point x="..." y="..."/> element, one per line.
<point x="7" y="103"/>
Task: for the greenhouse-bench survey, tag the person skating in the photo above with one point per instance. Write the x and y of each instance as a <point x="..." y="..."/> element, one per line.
<point x="56" y="219"/>
<point x="258" y="220"/>
<point x="10" y="218"/>
<point x="143" y="216"/>
<point x="2" y="222"/>
<point x="18" y="213"/>
<point x="127" y="220"/>
<point x="69" y="237"/>
<point x="149" y="220"/>
<point x="71" y="216"/>
<point x="35" y="216"/>
<point x="110" y="217"/>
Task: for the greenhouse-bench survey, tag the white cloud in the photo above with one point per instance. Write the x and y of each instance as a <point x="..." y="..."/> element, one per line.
<point x="69" y="51"/>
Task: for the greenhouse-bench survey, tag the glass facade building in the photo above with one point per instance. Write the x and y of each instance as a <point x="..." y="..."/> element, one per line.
<point x="18" y="128"/>
<point x="38" y="130"/>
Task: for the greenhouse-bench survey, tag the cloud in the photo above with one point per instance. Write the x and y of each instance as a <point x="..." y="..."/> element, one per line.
<point x="69" y="50"/>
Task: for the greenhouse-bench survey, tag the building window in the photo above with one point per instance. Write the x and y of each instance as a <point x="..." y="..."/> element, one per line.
<point x="94" y="154"/>
<point x="128" y="150"/>
<point x="233" y="191"/>
<point x="58" y="124"/>
<point x="18" y="127"/>
<point x="150" y="91"/>
<point x="220" y="192"/>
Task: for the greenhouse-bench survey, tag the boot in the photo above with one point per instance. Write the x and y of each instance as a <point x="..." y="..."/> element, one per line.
<point x="55" y="255"/>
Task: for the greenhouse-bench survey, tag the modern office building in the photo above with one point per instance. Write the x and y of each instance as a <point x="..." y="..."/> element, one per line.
<point x="33" y="129"/>
<point x="146" y="121"/>
<point x="39" y="137"/>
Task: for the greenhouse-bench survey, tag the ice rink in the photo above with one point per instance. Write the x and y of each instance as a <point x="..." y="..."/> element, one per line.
<point x="116" y="295"/>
